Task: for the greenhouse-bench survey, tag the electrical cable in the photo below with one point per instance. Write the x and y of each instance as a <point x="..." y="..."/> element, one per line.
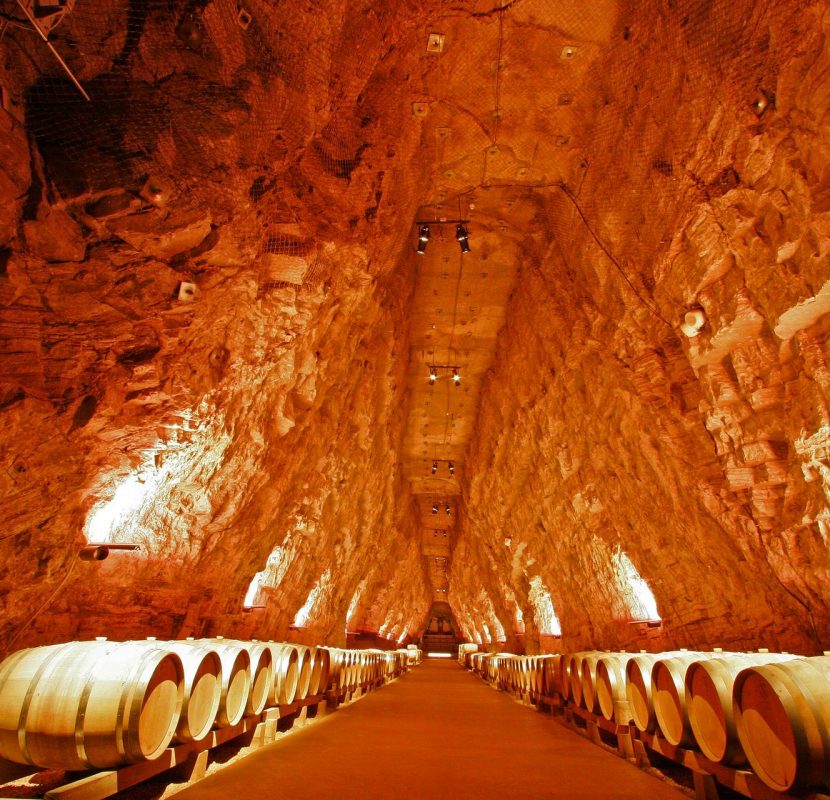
<point x="569" y="194"/>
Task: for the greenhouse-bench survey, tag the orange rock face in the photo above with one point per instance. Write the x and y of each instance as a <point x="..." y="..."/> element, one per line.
<point x="216" y="335"/>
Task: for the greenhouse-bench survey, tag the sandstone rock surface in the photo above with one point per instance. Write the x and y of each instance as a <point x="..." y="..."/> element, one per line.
<point x="269" y="439"/>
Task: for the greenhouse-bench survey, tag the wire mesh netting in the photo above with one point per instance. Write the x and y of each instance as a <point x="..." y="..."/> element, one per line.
<point x="319" y="120"/>
<point x="235" y="95"/>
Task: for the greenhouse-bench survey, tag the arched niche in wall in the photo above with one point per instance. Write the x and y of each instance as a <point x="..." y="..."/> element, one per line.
<point x="637" y="595"/>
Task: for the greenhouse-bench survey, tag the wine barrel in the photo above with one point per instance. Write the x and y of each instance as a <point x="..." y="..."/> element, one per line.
<point x="565" y="674"/>
<point x="337" y="659"/>
<point x="284" y="686"/>
<point x="372" y="663"/>
<point x="304" y="667"/>
<point x="85" y="705"/>
<point x="352" y="670"/>
<point x="262" y="675"/>
<point x="261" y="671"/>
<point x="236" y="681"/>
<point x="610" y="687"/>
<point x="520" y="673"/>
<point x="668" y="695"/>
<point x="569" y="677"/>
<point x="576" y="673"/>
<point x="551" y="676"/>
<point x="202" y="688"/>
<point x="322" y="667"/>
<point x="588" y="673"/>
<point x="531" y="679"/>
<point x="782" y="712"/>
<point x="638" y="689"/>
<point x="709" y="699"/>
<point x="403" y="662"/>
<point x="510" y="673"/>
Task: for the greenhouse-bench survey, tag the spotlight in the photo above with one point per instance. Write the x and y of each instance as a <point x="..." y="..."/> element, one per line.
<point x="447" y="509"/>
<point x="434" y="467"/>
<point x="462" y="236"/>
<point x="433" y="375"/>
<point x="452" y="468"/>
<point x="423" y="238"/>
<point x="456" y="378"/>
<point x="435" y="508"/>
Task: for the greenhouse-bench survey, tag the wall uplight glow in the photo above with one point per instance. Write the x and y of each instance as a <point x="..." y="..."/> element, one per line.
<point x="355" y="601"/>
<point x="307" y="610"/>
<point x="253" y="591"/>
<point x="162" y="501"/>
<point x="636" y="592"/>
<point x="128" y="498"/>
<point x="546" y="619"/>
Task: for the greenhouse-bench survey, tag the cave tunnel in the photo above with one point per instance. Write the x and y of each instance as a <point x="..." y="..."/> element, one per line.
<point x="418" y="346"/>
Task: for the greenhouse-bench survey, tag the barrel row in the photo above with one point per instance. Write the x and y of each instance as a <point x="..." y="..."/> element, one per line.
<point x="510" y="672"/>
<point x="770" y="711"/>
<point x="102" y="704"/>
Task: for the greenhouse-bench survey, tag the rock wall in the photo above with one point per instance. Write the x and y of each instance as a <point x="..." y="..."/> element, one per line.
<point x="206" y="280"/>
<point x="603" y="428"/>
<point x="206" y="361"/>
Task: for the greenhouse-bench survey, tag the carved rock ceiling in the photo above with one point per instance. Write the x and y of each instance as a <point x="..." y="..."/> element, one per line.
<point x="216" y="334"/>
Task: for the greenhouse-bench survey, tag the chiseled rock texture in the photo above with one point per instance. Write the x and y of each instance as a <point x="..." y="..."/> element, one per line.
<point x="603" y="428"/>
<point x="205" y="281"/>
<point x="160" y="383"/>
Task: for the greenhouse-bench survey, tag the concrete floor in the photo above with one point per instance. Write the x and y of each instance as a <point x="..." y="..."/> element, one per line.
<point x="438" y="732"/>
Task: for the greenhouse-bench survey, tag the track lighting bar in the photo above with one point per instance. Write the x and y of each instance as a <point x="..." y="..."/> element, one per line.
<point x="437" y="504"/>
<point x="433" y="373"/>
<point x="462" y="235"/>
<point x="437" y="461"/>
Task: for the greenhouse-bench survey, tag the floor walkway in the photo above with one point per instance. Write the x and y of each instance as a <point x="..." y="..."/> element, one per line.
<point x="438" y="732"/>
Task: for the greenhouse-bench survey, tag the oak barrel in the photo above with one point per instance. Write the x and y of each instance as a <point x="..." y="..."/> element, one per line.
<point x="262" y="675"/>
<point x="236" y="681"/>
<point x="322" y="665"/>
<point x="576" y="673"/>
<point x="284" y="687"/>
<point x="782" y="712"/>
<point x="551" y="675"/>
<point x="84" y="705"/>
<point x="668" y="695"/>
<point x="202" y="689"/>
<point x="304" y="667"/>
<point x="588" y="675"/>
<point x="638" y="688"/>
<point x="709" y="699"/>
<point x="202" y="686"/>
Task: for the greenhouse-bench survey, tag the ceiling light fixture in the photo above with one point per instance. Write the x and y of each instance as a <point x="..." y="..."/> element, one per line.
<point x="462" y="236"/>
<point x="434" y="467"/>
<point x="423" y="239"/>
<point x="433" y="375"/>
<point x="447" y="509"/>
<point x="435" y="508"/>
<point x="452" y="468"/>
<point x="456" y="378"/>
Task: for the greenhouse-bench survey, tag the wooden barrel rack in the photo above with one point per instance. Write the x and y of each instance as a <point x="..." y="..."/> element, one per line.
<point x="186" y="763"/>
<point x="708" y="779"/>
